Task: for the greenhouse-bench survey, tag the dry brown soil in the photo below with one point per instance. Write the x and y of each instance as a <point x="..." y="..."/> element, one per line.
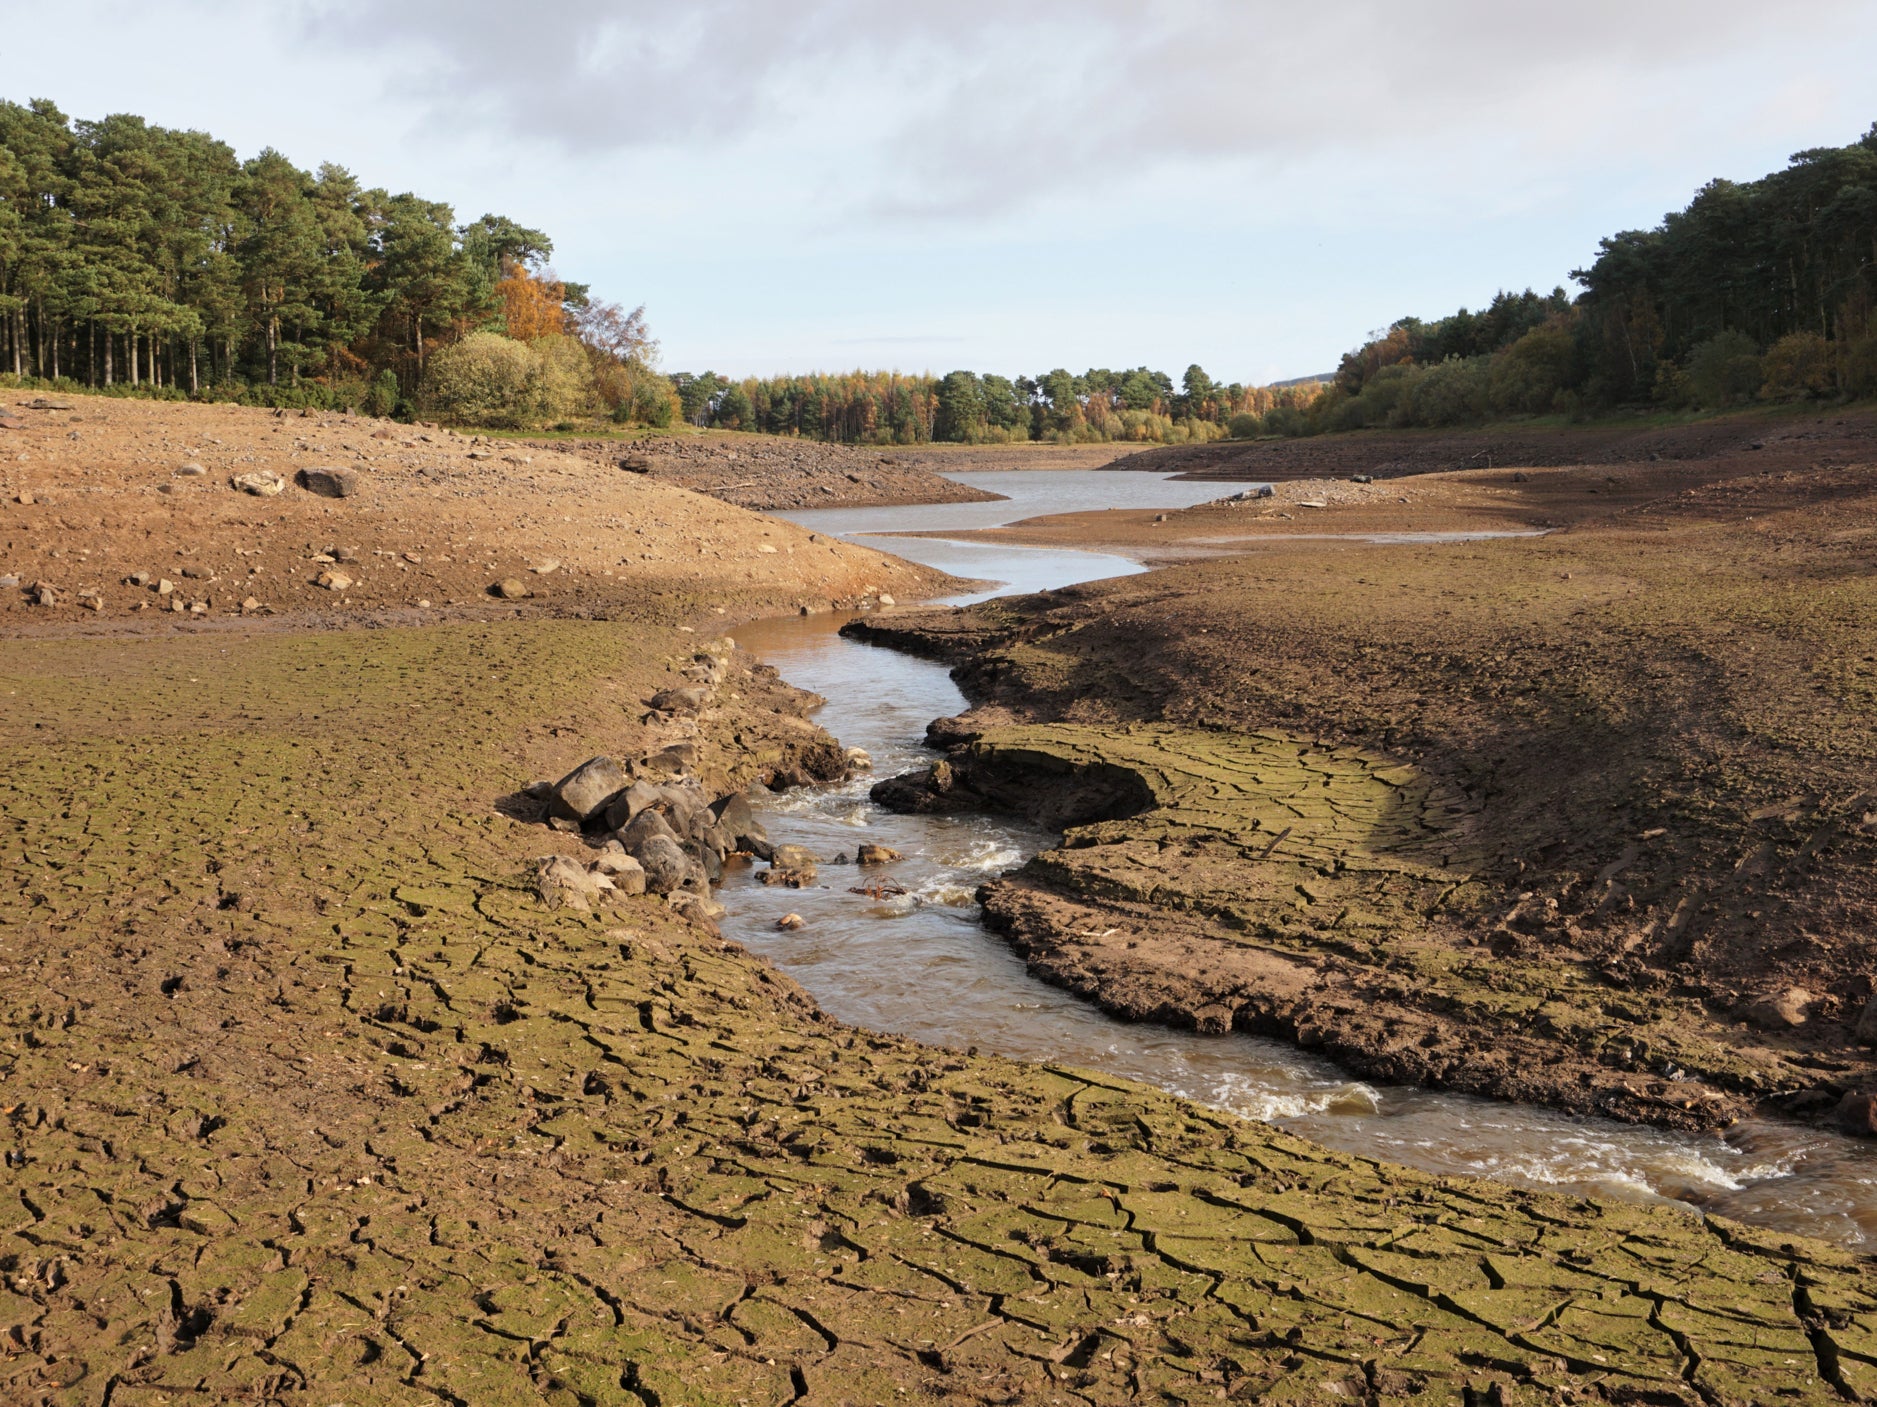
<point x="1786" y="438"/>
<point x="306" y="1098"/>
<point x="775" y="474"/>
<point x="1585" y="818"/>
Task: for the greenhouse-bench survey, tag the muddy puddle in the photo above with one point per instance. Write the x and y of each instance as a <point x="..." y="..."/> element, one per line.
<point x="919" y="964"/>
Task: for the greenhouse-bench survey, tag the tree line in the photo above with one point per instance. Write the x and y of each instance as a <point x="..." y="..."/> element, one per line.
<point x="141" y="258"/>
<point x="986" y="408"/>
<point x="1757" y="291"/>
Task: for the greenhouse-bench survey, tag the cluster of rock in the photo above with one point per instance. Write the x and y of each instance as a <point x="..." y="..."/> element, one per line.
<point x="654" y="836"/>
<point x="326" y="480"/>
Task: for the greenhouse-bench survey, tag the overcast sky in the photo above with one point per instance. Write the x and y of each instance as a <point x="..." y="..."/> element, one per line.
<point x="1009" y="187"/>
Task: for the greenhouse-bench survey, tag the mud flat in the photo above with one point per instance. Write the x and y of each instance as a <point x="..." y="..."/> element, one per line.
<point x="309" y="1098"/>
<point x="1783" y="439"/>
<point x="1581" y="819"/>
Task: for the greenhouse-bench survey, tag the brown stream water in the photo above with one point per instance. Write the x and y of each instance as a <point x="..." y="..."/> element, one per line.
<point x="922" y="965"/>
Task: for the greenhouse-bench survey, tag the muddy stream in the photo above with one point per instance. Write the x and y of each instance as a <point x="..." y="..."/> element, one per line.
<point x="922" y="966"/>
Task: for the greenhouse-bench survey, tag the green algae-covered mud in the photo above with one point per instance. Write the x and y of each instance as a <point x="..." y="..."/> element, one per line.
<point x="309" y="1099"/>
<point x="1583" y="819"/>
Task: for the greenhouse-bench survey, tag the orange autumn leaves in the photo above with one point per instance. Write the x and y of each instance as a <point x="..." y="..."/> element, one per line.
<point x="532" y="307"/>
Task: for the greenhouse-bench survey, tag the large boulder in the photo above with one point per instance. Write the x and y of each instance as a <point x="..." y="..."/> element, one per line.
<point x="667" y="868"/>
<point x="584" y="792"/>
<point x="647" y="825"/>
<point x="794" y="857"/>
<point x="638" y="797"/>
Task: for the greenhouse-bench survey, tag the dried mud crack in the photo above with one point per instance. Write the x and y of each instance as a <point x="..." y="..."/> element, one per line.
<point x="305" y="1097"/>
<point x="1581" y="819"/>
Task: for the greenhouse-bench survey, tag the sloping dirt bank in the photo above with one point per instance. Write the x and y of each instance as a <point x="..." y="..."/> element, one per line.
<point x="1584" y="818"/>
<point x="775" y="474"/>
<point x="1782" y="439"/>
<point x="102" y="492"/>
<point x="307" y="1098"/>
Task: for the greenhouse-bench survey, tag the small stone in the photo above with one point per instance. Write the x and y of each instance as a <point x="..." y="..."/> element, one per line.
<point x="859" y="759"/>
<point x="546" y="568"/>
<point x="695" y="906"/>
<point x="331" y="481"/>
<point x="9" y="583"/>
<point x="198" y="608"/>
<point x="626" y="873"/>
<point x="876" y="855"/>
<point x="563" y="884"/>
<point x="790" y="923"/>
<point x="164" y="586"/>
<point x="679" y="700"/>
<point x="1867" y="1022"/>
<point x="91" y="601"/>
<point x="44" y="595"/>
<point x="191" y="470"/>
<point x="510" y="589"/>
<point x="251" y="604"/>
<point x="793" y="876"/>
<point x="333" y="581"/>
<point x="346" y="555"/>
<point x="1780" y="1011"/>
<point x="414" y="559"/>
<point x="886" y="600"/>
<point x="766" y="548"/>
<point x="263" y="483"/>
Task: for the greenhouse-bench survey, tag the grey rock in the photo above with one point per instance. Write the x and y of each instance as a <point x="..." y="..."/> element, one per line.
<point x="689" y="700"/>
<point x="876" y="854"/>
<point x="667" y="868"/>
<point x="647" y="825"/>
<point x="587" y="789"/>
<point x="331" y="481"/>
<point x="636" y="798"/>
<point x="563" y="884"/>
<point x="790" y="857"/>
<point x="626" y="873"/>
<point x="510" y="589"/>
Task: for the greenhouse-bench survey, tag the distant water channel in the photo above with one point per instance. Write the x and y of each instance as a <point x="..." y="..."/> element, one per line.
<point x="922" y="966"/>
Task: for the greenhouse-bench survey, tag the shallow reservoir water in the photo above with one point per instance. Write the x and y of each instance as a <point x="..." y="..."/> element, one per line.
<point x="921" y="965"/>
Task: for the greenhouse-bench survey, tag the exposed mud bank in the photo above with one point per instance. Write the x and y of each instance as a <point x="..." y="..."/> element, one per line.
<point x="1646" y="885"/>
<point x="308" y="1097"/>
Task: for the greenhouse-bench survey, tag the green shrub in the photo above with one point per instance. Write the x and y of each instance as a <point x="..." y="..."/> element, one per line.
<point x="1724" y="370"/>
<point x="486" y="379"/>
<point x="1798" y="366"/>
<point x="1245" y="426"/>
<point x="382" y="398"/>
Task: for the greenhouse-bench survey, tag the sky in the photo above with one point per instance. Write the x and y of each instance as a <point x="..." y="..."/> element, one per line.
<point x="1002" y="186"/>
